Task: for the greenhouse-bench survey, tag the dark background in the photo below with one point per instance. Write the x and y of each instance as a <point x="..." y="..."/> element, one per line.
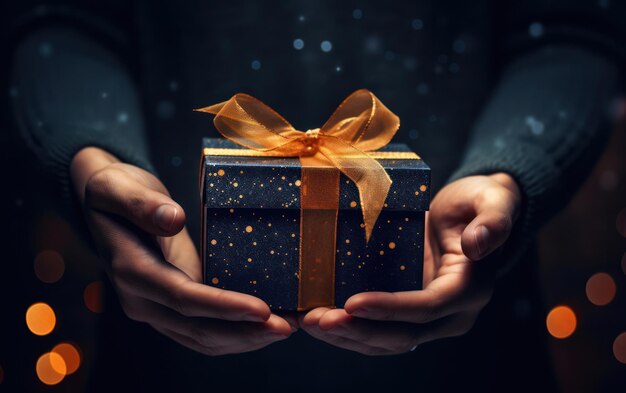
<point x="586" y="238"/>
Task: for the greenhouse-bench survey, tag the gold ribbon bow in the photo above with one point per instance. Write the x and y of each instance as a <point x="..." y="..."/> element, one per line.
<point x="359" y="125"/>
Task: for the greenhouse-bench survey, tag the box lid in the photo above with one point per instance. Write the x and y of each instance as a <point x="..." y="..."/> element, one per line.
<point x="273" y="182"/>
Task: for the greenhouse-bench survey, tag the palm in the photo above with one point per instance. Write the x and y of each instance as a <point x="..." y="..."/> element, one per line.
<point x="468" y="219"/>
<point x="180" y="251"/>
<point x="446" y="267"/>
<point x="154" y="266"/>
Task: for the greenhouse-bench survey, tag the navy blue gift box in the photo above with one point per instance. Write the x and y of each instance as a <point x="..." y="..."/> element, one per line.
<point x="251" y="227"/>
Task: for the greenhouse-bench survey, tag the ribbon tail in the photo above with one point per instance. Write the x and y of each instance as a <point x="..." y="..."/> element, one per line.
<point x="214" y="109"/>
<point x="373" y="200"/>
<point x="373" y="190"/>
<point x="370" y="177"/>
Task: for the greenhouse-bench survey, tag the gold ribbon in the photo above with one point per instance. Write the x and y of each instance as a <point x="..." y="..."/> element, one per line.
<point x="229" y="152"/>
<point x="359" y="125"/>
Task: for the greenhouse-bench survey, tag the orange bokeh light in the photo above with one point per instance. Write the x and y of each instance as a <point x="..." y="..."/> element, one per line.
<point x="49" y="266"/>
<point x="51" y="368"/>
<point x="93" y="296"/>
<point x="70" y="355"/>
<point x="561" y="322"/>
<point x="600" y="289"/>
<point x="40" y="319"/>
<point x="619" y="348"/>
<point x="52" y="232"/>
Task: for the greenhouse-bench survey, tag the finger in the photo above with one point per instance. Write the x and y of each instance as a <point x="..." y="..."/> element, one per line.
<point x="180" y="251"/>
<point x="291" y="318"/>
<point x="170" y="287"/>
<point x="185" y="341"/>
<point x="141" y="271"/>
<point x="431" y="250"/>
<point x="312" y="317"/>
<point x="495" y="210"/>
<point x="397" y="337"/>
<point x="209" y="332"/>
<point x="114" y="190"/>
<point x="410" y="306"/>
<point x="144" y="310"/>
<point x="334" y="317"/>
<point x="343" y="342"/>
<point x="331" y="317"/>
<point x="210" y="351"/>
<point x="208" y="336"/>
<point x="464" y="288"/>
<point x="453" y="326"/>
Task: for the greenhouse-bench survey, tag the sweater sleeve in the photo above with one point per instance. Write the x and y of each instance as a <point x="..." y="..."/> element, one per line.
<point x="545" y="124"/>
<point x="69" y="92"/>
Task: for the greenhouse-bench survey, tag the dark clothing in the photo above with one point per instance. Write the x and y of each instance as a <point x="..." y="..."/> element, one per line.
<point x="479" y="88"/>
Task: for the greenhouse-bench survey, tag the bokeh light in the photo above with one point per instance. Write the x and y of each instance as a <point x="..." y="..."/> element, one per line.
<point x="619" y="348"/>
<point x="53" y="233"/>
<point x="535" y="30"/>
<point x="600" y="289"/>
<point x="624" y="263"/>
<point x="70" y="355"/>
<point x="417" y="24"/>
<point x="561" y="322"/>
<point x="57" y="363"/>
<point x="93" y="296"/>
<point x="51" y="368"/>
<point x="49" y="266"/>
<point x="298" y="44"/>
<point x="40" y="319"/>
<point x="326" y="46"/>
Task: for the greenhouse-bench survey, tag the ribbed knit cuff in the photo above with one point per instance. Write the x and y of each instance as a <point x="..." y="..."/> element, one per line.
<point x="534" y="172"/>
<point x="70" y="93"/>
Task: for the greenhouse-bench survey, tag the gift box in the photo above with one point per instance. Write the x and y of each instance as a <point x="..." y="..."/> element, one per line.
<point x="296" y="234"/>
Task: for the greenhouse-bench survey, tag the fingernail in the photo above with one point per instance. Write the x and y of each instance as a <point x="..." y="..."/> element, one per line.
<point x="413" y="349"/>
<point x="164" y="216"/>
<point x="481" y="236"/>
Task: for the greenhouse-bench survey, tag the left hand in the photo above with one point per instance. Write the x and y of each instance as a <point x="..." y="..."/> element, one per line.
<point x="468" y="220"/>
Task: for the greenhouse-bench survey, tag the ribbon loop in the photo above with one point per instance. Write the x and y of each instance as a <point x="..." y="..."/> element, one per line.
<point x="359" y="125"/>
<point x="363" y="121"/>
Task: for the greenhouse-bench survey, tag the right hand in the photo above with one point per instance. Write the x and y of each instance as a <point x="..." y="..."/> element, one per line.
<point x="141" y="236"/>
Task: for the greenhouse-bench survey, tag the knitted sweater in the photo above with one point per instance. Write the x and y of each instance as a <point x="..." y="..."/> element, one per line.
<point x="480" y="88"/>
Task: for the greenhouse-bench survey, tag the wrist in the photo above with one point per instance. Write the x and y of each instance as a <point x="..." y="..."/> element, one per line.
<point x="85" y="163"/>
<point x="507" y="181"/>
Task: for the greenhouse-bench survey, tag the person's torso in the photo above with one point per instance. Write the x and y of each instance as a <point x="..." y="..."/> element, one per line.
<point x="430" y="62"/>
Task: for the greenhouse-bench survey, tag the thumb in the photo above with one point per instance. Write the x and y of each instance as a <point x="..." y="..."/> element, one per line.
<point x="113" y="190"/>
<point x="492" y="225"/>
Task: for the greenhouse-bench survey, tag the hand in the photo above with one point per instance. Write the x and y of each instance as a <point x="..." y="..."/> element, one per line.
<point x="468" y="220"/>
<point x="153" y="264"/>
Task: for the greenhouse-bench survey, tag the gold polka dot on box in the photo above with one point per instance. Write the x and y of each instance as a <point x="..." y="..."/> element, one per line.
<point x="251" y="228"/>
